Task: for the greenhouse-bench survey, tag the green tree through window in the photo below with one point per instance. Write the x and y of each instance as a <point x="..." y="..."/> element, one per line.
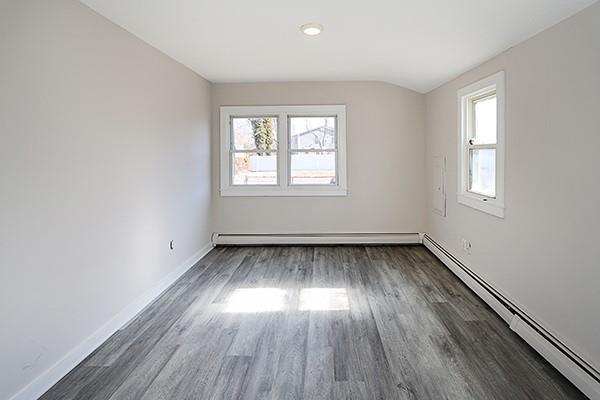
<point x="264" y="135"/>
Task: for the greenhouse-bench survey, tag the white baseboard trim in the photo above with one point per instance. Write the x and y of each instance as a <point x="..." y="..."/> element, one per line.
<point x="52" y="375"/>
<point x="572" y="372"/>
<point x="562" y="358"/>
<point x="470" y="281"/>
<point x="223" y="239"/>
<point x="580" y="378"/>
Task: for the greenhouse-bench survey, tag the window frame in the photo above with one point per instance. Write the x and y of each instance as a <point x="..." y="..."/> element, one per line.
<point x="283" y="151"/>
<point x="467" y="96"/>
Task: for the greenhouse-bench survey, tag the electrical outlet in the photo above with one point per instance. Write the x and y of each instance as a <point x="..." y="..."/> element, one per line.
<point x="172" y="245"/>
<point x="466" y="245"/>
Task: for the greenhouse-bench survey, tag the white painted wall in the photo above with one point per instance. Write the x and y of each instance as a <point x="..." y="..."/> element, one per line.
<point x="544" y="255"/>
<point x="104" y="158"/>
<point x="385" y="141"/>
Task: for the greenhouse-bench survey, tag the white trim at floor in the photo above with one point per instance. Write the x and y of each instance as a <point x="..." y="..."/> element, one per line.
<point x="564" y="361"/>
<point x="265" y="239"/>
<point x="56" y="372"/>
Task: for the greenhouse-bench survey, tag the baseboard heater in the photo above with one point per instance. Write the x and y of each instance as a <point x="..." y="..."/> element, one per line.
<point x="240" y="239"/>
<point x="580" y="372"/>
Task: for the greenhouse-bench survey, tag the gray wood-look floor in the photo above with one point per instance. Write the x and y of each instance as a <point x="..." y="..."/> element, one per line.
<point x="260" y="323"/>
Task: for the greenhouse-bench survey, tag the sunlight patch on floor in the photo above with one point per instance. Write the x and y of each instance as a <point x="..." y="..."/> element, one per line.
<point x="259" y="300"/>
<point x="323" y="299"/>
<point x="255" y="300"/>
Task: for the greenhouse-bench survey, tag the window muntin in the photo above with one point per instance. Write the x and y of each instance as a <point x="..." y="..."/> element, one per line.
<point x="481" y="150"/>
<point x="303" y="156"/>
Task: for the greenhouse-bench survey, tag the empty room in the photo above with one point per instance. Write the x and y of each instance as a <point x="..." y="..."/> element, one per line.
<point x="286" y="200"/>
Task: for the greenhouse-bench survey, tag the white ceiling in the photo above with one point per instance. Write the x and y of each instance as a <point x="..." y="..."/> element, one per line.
<point x="418" y="44"/>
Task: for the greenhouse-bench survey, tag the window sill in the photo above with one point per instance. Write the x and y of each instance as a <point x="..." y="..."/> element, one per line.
<point x="279" y="192"/>
<point x="490" y="206"/>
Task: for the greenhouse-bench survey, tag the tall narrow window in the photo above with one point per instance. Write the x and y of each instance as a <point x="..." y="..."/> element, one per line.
<point x="481" y="153"/>
<point x="283" y="151"/>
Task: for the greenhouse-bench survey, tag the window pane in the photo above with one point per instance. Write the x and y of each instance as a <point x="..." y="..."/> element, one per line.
<point x="256" y="133"/>
<point x="482" y="171"/>
<point x="313" y="168"/>
<point x="484" y="113"/>
<point x="254" y="168"/>
<point x="312" y="133"/>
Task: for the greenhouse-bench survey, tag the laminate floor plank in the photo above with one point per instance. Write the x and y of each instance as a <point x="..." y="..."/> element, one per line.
<point x="315" y="322"/>
<point x="68" y="387"/>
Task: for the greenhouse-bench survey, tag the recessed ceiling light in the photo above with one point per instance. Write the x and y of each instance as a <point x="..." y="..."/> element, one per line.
<point x="311" y="29"/>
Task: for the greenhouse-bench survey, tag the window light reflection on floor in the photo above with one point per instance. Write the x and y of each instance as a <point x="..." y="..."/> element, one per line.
<point x="255" y="300"/>
<point x="323" y="299"/>
<point x="259" y="300"/>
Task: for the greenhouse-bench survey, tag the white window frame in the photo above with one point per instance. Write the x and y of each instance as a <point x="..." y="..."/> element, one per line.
<point x="283" y="186"/>
<point x="466" y="96"/>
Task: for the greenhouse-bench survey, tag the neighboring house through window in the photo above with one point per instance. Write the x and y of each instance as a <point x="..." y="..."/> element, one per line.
<point x="283" y="151"/>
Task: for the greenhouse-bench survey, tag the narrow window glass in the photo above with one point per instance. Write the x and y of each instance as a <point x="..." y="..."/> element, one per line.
<point x="313" y="168"/>
<point x="312" y="133"/>
<point x="254" y="133"/>
<point x="482" y="171"/>
<point x="485" y="120"/>
<point x="254" y="169"/>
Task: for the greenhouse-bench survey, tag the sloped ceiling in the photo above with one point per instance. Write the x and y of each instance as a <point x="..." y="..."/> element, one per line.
<point x="418" y="44"/>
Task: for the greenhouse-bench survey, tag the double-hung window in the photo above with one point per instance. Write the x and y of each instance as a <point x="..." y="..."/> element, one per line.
<point x="481" y="145"/>
<point x="283" y="151"/>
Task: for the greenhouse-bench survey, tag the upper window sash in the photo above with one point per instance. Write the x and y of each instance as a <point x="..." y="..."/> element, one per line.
<point x="327" y="148"/>
<point x="232" y="145"/>
<point x="482" y="134"/>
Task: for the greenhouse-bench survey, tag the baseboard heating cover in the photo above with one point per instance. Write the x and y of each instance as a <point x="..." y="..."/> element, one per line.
<point x="220" y="239"/>
<point x="574" y="367"/>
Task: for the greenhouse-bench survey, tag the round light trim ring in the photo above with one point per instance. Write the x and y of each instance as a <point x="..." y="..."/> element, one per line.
<point x="311" y="29"/>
